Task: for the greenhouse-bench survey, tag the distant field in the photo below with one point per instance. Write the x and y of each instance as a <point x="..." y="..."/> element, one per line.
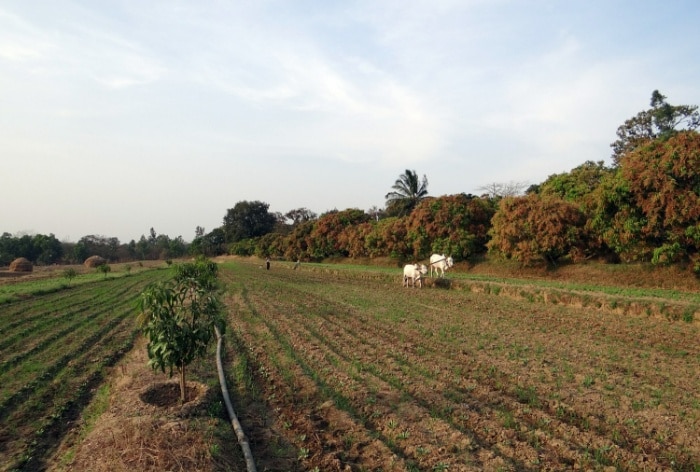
<point x="45" y="279"/>
<point x="334" y="366"/>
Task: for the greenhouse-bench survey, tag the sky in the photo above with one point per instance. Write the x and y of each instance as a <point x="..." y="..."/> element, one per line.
<point x="121" y="116"/>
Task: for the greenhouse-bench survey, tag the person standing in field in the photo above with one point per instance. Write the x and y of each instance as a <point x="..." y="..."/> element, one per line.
<point x="267" y="263"/>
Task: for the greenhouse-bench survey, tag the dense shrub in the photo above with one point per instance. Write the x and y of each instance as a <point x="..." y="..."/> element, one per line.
<point x="650" y="208"/>
<point x="325" y="238"/>
<point x="456" y="224"/>
<point x="535" y="229"/>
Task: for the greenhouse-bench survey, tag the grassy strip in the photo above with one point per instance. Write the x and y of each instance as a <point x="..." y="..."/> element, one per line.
<point x="391" y="273"/>
<point x="627" y="292"/>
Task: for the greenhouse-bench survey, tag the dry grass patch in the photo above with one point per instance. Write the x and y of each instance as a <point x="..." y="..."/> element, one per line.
<point x="145" y="428"/>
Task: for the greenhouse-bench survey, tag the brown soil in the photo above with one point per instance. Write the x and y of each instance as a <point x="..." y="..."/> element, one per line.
<point x="560" y="387"/>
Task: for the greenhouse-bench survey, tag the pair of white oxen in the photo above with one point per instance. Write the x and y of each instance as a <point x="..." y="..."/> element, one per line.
<point x="413" y="273"/>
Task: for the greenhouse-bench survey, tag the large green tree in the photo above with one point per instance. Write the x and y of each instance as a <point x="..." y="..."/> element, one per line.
<point x="210" y="244"/>
<point x="300" y="215"/>
<point x="39" y="248"/>
<point x="662" y="120"/>
<point x="96" y="245"/>
<point x="408" y="191"/>
<point x="577" y="185"/>
<point x="248" y="220"/>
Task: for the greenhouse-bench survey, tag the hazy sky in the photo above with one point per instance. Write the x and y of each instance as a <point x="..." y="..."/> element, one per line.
<point x="118" y="116"/>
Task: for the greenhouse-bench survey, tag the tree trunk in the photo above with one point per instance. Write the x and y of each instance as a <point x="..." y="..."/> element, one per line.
<point x="183" y="393"/>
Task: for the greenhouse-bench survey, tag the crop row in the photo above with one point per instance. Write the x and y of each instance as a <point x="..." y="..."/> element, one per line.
<point x="509" y="384"/>
<point x="55" y="369"/>
<point x="39" y="312"/>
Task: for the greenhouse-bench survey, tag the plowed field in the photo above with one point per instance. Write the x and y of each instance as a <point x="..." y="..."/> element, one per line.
<point x="348" y="370"/>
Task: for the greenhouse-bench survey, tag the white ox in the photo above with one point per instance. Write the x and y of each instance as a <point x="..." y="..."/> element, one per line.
<point x="413" y="273"/>
<point x="441" y="263"/>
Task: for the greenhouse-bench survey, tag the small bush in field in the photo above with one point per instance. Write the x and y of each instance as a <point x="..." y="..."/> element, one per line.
<point x="179" y="317"/>
<point x="70" y="274"/>
<point x="105" y="269"/>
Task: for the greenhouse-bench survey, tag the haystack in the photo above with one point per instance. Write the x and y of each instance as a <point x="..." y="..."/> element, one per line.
<point x="94" y="261"/>
<point x="21" y="265"/>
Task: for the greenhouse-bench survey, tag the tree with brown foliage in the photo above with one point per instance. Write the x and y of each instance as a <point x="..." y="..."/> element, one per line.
<point x="664" y="181"/>
<point x="298" y="241"/>
<point x="325" y="236"/>
<point x="535" y="229"/>
<point x="270" y="245"/>
<point x="353" y="239"/>
<point x="649" y="209"/>
<point x="389" y="238"/>
<point x="455" y="224"/>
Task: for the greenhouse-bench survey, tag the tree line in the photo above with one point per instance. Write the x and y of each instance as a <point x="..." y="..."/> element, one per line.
<point x="643" y="207"/>
<point x="43" y="249"/>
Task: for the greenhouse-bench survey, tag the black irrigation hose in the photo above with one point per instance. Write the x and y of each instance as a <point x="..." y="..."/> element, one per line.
<point x="242" y="439"/>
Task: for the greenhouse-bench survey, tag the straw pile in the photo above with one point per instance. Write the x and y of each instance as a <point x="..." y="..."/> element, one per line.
<point x="94" y="261"/>
<point x="21" y="265"/>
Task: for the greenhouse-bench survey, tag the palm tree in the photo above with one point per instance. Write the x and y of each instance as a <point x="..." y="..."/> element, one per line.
<point x="408" y="191"/>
